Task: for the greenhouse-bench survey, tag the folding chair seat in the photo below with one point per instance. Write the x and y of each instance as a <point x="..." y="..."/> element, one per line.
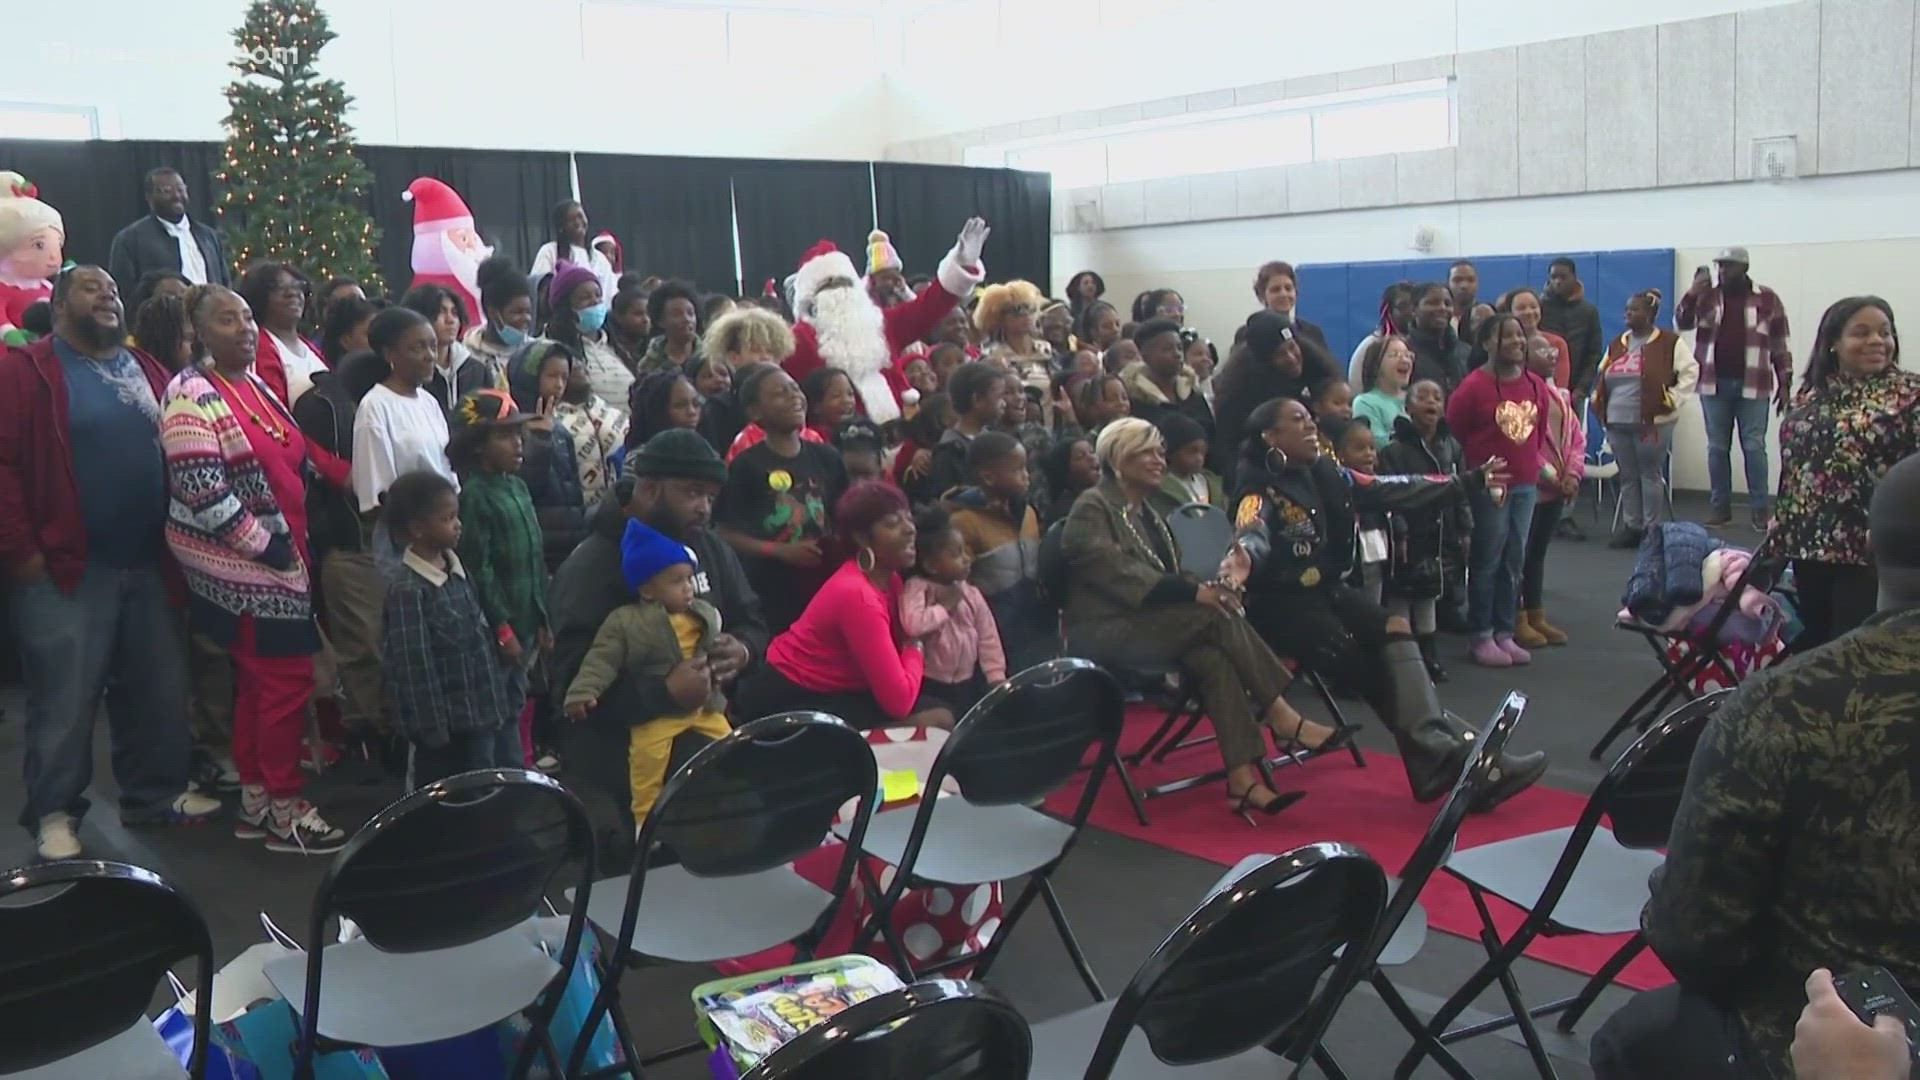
<point x="1022" y="742"/>
<point x="935" y="1028"/>
<point x="1236" y="985"/>
<point x="443" y="885"/>
<point x="738" y="815"/>
<point x="1703" y="651"/>
<point x="83" y="944"/>
<point x="1588" y="879"/>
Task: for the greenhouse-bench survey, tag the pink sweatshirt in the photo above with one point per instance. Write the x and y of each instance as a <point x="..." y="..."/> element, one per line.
<point x="845" y="641"/>
<point x="957" y="641"/>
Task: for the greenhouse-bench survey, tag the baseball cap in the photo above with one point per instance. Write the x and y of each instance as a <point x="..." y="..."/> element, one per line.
<point x="1733" y="255"/>
<point x="487" y="408"/>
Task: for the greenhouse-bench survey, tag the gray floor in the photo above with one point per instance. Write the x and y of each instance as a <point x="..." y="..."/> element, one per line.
<point x="1122" y="895"/>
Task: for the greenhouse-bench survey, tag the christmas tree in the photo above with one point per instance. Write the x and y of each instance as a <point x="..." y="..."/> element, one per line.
<point x="294" y="189"/>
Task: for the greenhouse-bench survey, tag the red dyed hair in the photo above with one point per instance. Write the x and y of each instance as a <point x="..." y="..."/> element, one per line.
<point x="864" y="504"/>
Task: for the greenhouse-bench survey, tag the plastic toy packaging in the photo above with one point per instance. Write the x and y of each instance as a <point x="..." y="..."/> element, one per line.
<point x="746" y="1018"/>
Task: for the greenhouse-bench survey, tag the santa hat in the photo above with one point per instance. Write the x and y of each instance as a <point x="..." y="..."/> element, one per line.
<point x="608" y="238"/>
<point x="21" y="213"/>
<point x="822" y="263"/>
<point x="880" y="254"/>
<point x="436" y="207"/>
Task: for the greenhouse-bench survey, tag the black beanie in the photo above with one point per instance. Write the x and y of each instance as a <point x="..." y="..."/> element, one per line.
<point x="678" y="453"/>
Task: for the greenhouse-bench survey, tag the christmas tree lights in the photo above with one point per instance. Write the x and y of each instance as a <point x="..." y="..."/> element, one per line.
<point x="294" y="191"/>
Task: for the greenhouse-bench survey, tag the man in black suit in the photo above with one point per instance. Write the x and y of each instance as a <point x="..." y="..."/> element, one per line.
<point x="167" y="239"/>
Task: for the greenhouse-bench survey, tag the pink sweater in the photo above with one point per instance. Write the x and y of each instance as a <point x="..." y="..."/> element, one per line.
<point x="957" y="641"/>
<point x="845" y="641"/>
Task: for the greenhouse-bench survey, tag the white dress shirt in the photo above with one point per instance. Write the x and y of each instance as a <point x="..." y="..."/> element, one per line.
<point x="192" y="263"/>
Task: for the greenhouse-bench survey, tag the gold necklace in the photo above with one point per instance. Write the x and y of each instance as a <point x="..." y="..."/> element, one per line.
<point x="274" y="429"/>
<point x="1153" y="554"/>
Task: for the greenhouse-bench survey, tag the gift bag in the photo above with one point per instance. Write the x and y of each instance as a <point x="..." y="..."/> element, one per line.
<point x="570" y="1020"/>
<point x="259" y="1046"/>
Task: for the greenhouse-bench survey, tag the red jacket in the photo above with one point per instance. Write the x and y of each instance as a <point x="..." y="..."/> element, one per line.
<point x="39" y="496"/>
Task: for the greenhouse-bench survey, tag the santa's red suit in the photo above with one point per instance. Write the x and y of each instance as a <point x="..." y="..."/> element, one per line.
<point x="446" y="250"/>
<point x="877" y="369"/>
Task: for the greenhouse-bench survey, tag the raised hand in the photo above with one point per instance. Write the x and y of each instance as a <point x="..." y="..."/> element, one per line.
<point x="973" y="238"/>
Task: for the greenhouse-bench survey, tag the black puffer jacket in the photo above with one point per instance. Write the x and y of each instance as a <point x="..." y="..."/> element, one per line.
<point x="325" y="415"/>
<point x="1442" y="357"/>
<point x="1426" y="538"/>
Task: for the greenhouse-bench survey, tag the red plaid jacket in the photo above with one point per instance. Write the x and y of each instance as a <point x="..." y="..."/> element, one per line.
<point x="1766" y="338"/>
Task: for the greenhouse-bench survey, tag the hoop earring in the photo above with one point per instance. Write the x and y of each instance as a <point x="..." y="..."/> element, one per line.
<point x="865" y="560"/>
<point x="1276" y="466"/>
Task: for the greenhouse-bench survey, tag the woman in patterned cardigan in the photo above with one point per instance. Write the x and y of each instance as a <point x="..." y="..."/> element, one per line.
<point x="237" y="470"/>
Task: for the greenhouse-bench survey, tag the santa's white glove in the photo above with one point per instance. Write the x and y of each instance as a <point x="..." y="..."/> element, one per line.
<point x="973" y="238"/>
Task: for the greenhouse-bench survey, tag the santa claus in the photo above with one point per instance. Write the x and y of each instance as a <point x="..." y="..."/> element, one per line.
<point x="446" y="249"/>
<point x="31" y="239"/>
<point x="839" y="324"/>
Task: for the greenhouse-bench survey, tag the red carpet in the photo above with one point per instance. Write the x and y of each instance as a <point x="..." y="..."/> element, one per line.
<point x="1369" y="808"/>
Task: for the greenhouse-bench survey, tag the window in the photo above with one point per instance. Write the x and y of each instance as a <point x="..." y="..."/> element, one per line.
<point x="1363" y="123"/>
<point x="22" y="121"/>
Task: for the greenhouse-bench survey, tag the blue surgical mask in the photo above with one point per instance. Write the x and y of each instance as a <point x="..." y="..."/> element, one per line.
<point x="511" y="336"/>
<point x="592" y="318"/>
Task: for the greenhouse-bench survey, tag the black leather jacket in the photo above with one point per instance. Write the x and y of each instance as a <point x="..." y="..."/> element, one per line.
<point x="1299" y="525"/>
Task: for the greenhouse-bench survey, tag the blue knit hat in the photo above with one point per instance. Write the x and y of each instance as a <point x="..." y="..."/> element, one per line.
<point x="645" y="552"/>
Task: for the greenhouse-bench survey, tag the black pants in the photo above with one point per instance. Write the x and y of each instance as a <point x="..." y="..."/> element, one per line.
<point x="1533" y="570"/>
<point x="1834" y="598"/>
<point x="1670" y="1034"/>
<point x="1333" y="629"/>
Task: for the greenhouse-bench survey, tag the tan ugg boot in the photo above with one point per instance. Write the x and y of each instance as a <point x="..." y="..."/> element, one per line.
<point x="1525" y="635"/>
<point x="1548" y="633"/>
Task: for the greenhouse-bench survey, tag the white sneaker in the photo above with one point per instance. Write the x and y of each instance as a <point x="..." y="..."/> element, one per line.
<point x="296" y="828"/>
<point x="251" y="822"/>
<point x="187" y="808"/>
<point x="57" y="839"/>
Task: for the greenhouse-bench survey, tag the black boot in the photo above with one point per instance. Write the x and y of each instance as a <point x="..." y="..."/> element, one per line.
<point x="1430" y="652"/>
<point x="1434" y="744"/>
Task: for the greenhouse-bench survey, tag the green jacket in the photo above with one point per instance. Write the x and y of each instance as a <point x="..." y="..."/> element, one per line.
<point x="638" y="640"/>
<point x="501" y="546"/>
<point x="1798" y="835"/>
<point x="1112" y="574"/>
<point x="1173" y="494"/>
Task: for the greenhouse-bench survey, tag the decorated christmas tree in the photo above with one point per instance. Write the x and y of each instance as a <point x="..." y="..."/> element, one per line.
<point x="294" y="189"/>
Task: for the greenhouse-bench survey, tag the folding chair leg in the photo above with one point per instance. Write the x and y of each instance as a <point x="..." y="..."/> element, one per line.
<point x="1609" y="971"/>
<point x="1339" y="716"/>
<point x="606" y="1003"/>
<point x="1133" y="790"/>
<point x="1323" y="1060"/>
<point x="1179" y="740"/>
<point x="1510" y="988"/>
<point x="1066" y="938"/>
<point x="1009" y="917"/>
<point x="1423" y="1039"/>
<point x="1167" y="724"/>
<point x="1500" y="957"/>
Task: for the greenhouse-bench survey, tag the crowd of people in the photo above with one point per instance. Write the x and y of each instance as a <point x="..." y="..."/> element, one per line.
<point x="588" y="523"/>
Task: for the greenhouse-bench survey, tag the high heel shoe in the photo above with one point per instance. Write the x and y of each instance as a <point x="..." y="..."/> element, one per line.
<point x="1338" y="738"/>
<point x="1242" y="803"/>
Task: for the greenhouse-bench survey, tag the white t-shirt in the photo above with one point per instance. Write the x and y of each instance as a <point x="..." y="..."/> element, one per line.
<point x="301" y="366"/>
<point x="544" y="261"/>
<point x="393" y="436"/>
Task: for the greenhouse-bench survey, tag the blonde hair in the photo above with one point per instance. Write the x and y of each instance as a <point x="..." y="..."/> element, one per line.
<point x="1123" y="438"/>
<point x="748" y="329"/>
<point x="996" y="299"/>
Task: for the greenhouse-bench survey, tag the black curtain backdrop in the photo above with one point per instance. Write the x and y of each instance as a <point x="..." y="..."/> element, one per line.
<point x="923" y="206"/>
<point x="97" y="185"/>
<point x="782" y="208"/>
<point x="511" y="193"/>
<point x="674" y="216"/>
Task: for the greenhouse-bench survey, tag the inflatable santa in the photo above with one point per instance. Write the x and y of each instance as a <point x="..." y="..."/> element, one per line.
<point x="839" y="325"/>
<point x="31" y="239"/>
<point x="446" y="249"/>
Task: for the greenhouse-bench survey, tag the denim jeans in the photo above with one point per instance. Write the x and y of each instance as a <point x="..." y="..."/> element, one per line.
<point x="1724" y="408"/>
<point x="115" y="636"/>
<point x="1499" y="549"/>
<point x="497" y="749"/>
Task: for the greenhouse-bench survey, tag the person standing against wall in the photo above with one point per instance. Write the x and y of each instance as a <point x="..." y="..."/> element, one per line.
<point x="1741" y="339"/>
<point x="1566" y="311"/>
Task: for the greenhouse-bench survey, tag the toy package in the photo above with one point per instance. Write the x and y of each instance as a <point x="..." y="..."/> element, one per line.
<point x="749" y="1017"/>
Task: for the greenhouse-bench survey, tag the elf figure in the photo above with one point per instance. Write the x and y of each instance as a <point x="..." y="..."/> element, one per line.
<point x="31" y="240"/>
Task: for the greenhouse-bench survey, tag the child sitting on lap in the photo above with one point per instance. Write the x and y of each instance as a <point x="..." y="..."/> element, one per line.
<point x="939" y="606"/>
<point x="663" y="627"/>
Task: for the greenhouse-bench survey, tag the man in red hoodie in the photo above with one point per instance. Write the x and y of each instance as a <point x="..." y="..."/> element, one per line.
<point x="83" y="500"/>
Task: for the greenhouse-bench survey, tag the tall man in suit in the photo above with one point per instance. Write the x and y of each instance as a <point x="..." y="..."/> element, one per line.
<point x="167" y="239"/>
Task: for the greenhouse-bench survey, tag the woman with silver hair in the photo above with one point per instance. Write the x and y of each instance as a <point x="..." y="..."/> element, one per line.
<point x="1127" y="601"/>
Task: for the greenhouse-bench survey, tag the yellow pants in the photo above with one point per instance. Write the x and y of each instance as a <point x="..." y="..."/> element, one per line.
<point x="650" y="748"/>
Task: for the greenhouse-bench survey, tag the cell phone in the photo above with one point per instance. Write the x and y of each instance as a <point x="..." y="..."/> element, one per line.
<point x="1872" y="992"/>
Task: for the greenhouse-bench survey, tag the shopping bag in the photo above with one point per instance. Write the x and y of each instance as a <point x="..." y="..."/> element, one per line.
<point x="237" y="987"/>
<point x="479" y="1055"/>
<point x="259" y="1045"/>
<point x="176" y="1028"/>
<point x="569" y="1021"/>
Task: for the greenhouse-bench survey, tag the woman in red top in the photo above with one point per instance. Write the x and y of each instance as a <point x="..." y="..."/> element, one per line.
<point x="847" y="655"/>
<point x="1500" y="410"/>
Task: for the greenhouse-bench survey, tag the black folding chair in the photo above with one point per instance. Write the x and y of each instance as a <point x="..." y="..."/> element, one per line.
<point x="1235" y="983"/>
<point x="738" y="815"/>
<point x="82" y="945"/>
<point x="1403" y="928"/>
<point x="1701" y="651"/>
<point x="938" y="1029"/>
<point x="1022" y="742"/>
<point x="443" y="884"/>
<point x="1585" y="879"/>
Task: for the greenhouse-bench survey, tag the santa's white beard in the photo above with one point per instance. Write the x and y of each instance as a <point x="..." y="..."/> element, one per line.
<point x="851" y="332"/>
<point x="436" y="253"/>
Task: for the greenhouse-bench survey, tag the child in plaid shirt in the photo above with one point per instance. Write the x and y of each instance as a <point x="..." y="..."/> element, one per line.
<point x="501" y="542"/>
<point x="453" y="697"/>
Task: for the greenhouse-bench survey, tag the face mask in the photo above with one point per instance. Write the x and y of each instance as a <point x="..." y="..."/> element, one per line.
<point x="511" y="336"/>
<point x="593" y="318"/>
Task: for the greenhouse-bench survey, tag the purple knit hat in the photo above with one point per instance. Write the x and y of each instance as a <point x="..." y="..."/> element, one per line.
<point x="566" y="275"/>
